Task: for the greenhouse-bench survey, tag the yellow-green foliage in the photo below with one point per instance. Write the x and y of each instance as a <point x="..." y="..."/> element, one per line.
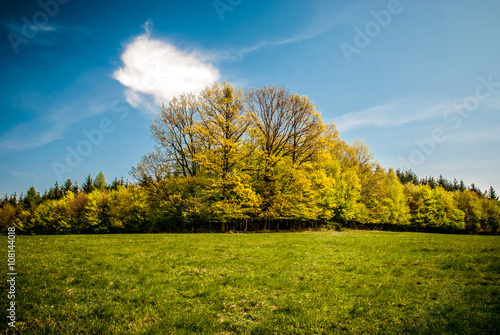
<point x="256" y="159"/>
<point x="54" y="215"/>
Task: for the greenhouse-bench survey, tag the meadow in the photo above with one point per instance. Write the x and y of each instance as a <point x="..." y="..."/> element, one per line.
<point x="350" y="282"/>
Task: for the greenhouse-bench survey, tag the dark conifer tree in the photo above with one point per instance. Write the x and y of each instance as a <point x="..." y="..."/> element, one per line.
<point x="68" y="186"/>
<point x="88" y="185"/>
<point x="75" y="189"/>
<point x="462" y="186"/>
<point x="492" y="195"/>
<point x="475" y="189"/>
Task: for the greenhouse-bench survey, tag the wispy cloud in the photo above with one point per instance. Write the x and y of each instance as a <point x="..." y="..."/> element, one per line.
<point x="39" y="132"/>
<point x="56" y="113"/>
<point x="46" y="35"/>
<point x="493" y="103"/>
<point x="404" y="111"/>
<point x="23" y="174"/>
<point x="315" y="30"/>
<point x="391" y="114"/>
<point x="157" y="69"/>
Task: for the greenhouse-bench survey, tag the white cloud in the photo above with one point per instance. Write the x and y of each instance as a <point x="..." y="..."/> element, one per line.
<point x="23" y="174"/>
<point x="54" y="114"/>
<point x="45" y="35"/>
<point x="390" y="114"/>
<point x="157" y="69"/>
<point x="42" y="131"/>
<point x="317" y="28"/>
<point x="404" y="111"/>
<point x="493" y="103"/>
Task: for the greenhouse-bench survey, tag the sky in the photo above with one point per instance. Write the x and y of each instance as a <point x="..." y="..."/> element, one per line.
<point x="417" y="80"/>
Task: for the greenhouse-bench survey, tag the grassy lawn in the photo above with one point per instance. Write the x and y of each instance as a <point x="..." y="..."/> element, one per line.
<point x="354" y="282"/>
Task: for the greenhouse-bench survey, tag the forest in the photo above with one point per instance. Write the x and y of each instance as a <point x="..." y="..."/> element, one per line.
<point x="257" y="159"/>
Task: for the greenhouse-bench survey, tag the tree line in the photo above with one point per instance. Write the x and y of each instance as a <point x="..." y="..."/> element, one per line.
<point x="258" y="159"/>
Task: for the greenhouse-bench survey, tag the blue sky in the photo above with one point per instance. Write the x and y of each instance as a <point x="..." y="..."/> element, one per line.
<point x="418" y="81"/>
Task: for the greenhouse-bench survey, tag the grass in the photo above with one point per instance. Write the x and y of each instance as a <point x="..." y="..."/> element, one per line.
<point x="354" y="282"/>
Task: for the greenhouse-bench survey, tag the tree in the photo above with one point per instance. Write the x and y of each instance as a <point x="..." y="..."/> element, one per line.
<point x="96" y="215"/>
<point x="57" y="191"/>
<point x="88" y="185"/>
<point x="396" y="210"/>
<point x="67" y="187"/>
<point x="223" y="147"/>
<point x="53" y="216"/>
<point x="306" y="130"/>
<point x="153" y="167"/>
<point x="76" y="208"/>
<point x="470" y="203"/>
<point x="221" y="131"/>
<point x="444" y="183"/>
<point x="475" y="189"/>
<point x="456" y="185"/>
<point x="492" y="194"/>
<point x="429" y="181"/>
<point x="491" y="219"/>
<point x="374" y="192"/>
<point x="283" y="125"/>
<point x="13" y="199"/>
<point x="462" y="186"/>
<point x="100" y="181"/>
<point x="75" y="189"/>
<point x="174" y="130"/>
<point x="8" y="216"/>
<point x="128" y="209"/>
<point x="117" y="183"/>
<point x="32" y="198"/>
<point x="407" y="177"/>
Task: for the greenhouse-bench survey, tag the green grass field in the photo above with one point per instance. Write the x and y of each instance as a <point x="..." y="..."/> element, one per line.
<point x="354" y="282"/>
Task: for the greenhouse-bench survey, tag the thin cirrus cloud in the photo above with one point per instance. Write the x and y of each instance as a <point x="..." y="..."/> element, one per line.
<point x="58" y="111"/>
<point x="44" y="35"/>
<point x="153" y="68"/>
<point x="23" y="174"/>
<point x="39" y="132"/>
<point x="404" y="111"/>
<point x="390" y="114"/>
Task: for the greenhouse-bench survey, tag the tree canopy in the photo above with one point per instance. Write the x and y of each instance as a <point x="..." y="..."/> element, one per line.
<point x="253" y="159"/>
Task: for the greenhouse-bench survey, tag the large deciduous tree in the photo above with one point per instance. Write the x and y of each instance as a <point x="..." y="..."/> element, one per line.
<point x="283" y="125"/>
<point x="174" y="131"/>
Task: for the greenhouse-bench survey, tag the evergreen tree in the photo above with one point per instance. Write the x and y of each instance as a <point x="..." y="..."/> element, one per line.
<point x="407" y="177"/>
<point x="88" y="185"/>
<point x="100" y="181"/>
<point x="75" y="189"/>
<point x="475" y="189"/>
<point x="462" y="186"/>
<point x="4" y="201"/>
<point x="456" y="185"/>
<point x="115" y="184"/>
<point x="13" y="199"/>
<point x="32" y="198"/>
<point x="492" y="194"/>
<point x="68" y="186"/>
<point x="444" y="183"/>
<point x="58" y="193"/>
